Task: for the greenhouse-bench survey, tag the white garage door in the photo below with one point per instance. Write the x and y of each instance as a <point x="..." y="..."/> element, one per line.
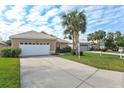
<point x="83" y="48"/>
<point x="34" y="49"/>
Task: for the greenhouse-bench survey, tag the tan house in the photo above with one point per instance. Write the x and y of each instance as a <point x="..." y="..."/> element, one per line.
<point x="62" y="43"/>
<point x="36" y="43"/>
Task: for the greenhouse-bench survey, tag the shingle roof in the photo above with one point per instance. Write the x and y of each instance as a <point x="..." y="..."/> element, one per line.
<point x="33" y="35"/>
<point x="3" y="43"/>
<point x="62" y="40"/>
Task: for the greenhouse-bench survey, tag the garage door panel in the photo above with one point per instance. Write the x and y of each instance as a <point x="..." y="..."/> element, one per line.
<point x="28" y="50"/>
<point x="83" y="48"/>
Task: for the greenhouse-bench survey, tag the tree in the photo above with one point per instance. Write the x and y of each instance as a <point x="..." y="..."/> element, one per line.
<point x="120" y="43"/>
<point x="109" y="41"/>
<point x="118" y="34"/>
<point x="74" y="22"/>
<point x="91" y="37"/>
<point x="110" y="35"/>
<point x="99" y="37"/>
<point x="68" y="34"/>
<point x="119" y="39"/>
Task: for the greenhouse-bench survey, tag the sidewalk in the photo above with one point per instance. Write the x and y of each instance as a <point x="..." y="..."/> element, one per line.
<point x="109" y="53"/>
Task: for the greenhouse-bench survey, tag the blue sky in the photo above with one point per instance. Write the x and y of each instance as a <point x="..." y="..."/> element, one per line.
<point x="17" y="19"/>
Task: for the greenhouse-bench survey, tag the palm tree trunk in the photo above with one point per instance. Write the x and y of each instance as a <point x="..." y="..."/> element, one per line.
<point x="93" y="41"/>
<point x="78" y="52"/>
<point x="77" y="41"/>
<point x="97" y="43"/>
<point x="73" y="41"/>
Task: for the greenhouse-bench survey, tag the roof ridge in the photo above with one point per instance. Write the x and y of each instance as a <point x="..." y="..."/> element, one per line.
<point x="32" y="34"/>
<point x="23" y="33"/>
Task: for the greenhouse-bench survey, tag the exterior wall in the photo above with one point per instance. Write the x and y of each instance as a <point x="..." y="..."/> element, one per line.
<point x="63" y="45"/>
<point x="16" y="42"/>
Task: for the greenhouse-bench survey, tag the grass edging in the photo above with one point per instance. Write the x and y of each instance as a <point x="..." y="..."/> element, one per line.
<point x="105" y="62"/>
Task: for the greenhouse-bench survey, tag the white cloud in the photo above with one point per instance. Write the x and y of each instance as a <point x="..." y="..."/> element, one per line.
<point x="58" y="31"/>
<point x="34" y="13"/>
<point x="55" y="21"/>
<point x="66" y="8"/>
<point x="13" y="28"/>
<point x="48" y="18"/>
<point x="2" y="7"/>
<point x="52" y="12"/>
<point x="17" y="13"/>
<point x="35" y="16"/>
<point x="46" y="29"/>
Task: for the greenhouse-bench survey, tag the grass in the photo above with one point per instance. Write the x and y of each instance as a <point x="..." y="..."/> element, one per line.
<point x="9" y="73"/>
<point x="108" y="62"/>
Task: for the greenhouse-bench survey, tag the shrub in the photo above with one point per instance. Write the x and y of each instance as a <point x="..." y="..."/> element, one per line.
<point x="73" y="52"/>
<point x="94" y="48"/>
<point x="65" y="50"/>
<point x="57" y="50"/>
<point x="104" y="49"/>
<point x="81" y="53"/>
<point x="10" y="52"/>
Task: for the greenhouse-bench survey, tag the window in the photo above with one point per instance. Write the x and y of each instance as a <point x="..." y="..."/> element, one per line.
<point x="33" y="43"/>
<point x="21" y="43"/>
<point x="40" y="43"/>
<point x="29" y="43"/>
<point x="37" y="43"/>
<point x="44" y="43"/>
<point x="47" y="43"/>
<point x="26" y="43"/>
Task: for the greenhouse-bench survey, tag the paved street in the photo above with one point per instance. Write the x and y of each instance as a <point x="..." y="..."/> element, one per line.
<point x="55" y="72"/>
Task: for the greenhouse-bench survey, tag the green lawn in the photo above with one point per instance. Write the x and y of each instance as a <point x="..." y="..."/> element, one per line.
<point x="9" y="73"/>
<point x="108" y="62"/>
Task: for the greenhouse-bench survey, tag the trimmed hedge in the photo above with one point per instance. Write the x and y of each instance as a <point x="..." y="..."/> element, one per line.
<point x="65" y="50"/>
<point x="10" y="52"/>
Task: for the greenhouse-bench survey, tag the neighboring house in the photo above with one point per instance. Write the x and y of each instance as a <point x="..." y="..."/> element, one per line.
<point x="98" y="45"/>
<point x="2" y="44"/>
<point x="101" y="45"/>
<point x="85" y="46"/>
<point x="35" y="43"/>
<point x="62" y="43"/>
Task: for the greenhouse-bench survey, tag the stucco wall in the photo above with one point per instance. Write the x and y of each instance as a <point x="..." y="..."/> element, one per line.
<point x="62" y="45"/>
<point x="16" y="42"/>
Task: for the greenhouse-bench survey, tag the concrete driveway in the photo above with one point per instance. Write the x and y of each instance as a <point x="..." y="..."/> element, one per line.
<point x="55" y="72"/>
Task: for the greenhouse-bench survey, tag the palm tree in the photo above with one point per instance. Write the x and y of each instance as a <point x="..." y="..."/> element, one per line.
<point x="74" y="22"/>
<point x="100" y="36"/>
<point x="91" y="37"/>
<point x="68" y="34"/>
